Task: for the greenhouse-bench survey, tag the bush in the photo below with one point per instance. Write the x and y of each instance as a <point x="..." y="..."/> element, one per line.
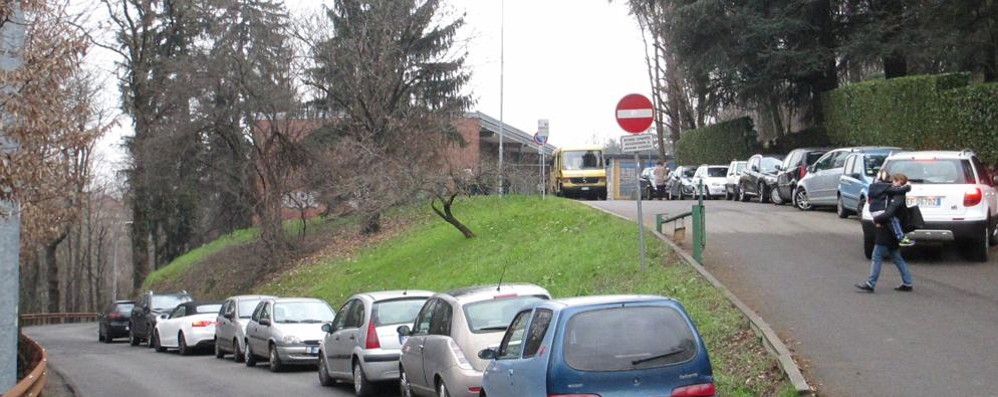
<point x="811" y="137"/>
<point x="718" y="144"/>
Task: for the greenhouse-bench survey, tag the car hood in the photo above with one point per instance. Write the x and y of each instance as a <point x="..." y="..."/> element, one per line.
<point x="583" y="173"/>
<point x="302" y="331"/>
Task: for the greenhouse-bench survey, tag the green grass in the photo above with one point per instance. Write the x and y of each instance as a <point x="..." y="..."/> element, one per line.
<point x="564" y="246"/>
<point x="175" y="269"/>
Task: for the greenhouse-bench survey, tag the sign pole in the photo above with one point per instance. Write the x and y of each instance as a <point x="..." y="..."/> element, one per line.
<point x="641" y="223"/>
<point x="635" y="114"/>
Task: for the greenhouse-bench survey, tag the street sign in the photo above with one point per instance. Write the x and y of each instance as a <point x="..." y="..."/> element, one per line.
<point x="543" y="127"/>
<point x="637" y="143"/>
<point x="635" y="113"/>
<point x="540" y="139"/>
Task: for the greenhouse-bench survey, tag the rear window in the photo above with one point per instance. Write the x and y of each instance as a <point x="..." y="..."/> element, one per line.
<point x="124" y="308"/>
<point x="494" y="315"/>
<point x="812" y="157"/>
<point x="168" y="302"/>
<point x="627" y="338"/>
<point x="717" y="172"/>
<point x="204" y="309"/>
<point x="401" y="311"/>
<point x="303" y="312"/>
<point x="247" y="306"/>
<point x="935" y="171"/>
<point x="873" y="164"/>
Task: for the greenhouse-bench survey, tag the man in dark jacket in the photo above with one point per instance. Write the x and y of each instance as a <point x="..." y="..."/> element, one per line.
<point x="884" y="190"/>
<point x="887" y="243"/>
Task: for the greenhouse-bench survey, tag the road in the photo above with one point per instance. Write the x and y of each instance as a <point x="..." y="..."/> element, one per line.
<point x="797" y="270"/>
<point x="100" y="370"/>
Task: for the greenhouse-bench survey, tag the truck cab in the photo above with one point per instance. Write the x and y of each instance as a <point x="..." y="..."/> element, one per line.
<point x="578" y="172"/>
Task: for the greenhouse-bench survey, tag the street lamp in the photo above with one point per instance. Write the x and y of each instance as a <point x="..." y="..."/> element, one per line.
<point x="114" y="257"/>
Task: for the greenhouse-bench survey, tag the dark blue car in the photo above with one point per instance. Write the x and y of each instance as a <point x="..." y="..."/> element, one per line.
<point x="600" y="346"/>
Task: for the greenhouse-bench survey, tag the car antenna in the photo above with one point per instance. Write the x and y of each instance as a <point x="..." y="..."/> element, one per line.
<point x="503" y="274"/>
<point x="406" y="290"/>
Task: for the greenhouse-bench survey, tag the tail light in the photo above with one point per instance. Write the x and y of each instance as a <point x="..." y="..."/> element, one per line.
<point x="504" y="296"/>
<point x="372" y="342"/>
<point x="701" y="390"/>
<point x="114" y="316"/>
<point x="474" y="389"/>
<point x="972" y="197"/>
<point x="801" y="171"/>
<point x="202" y="323"/>
<point x="462" y="360"/>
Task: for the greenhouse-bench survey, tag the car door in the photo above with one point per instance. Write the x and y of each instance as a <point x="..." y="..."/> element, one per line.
<point x="437" y="352"/>
<point x="751" y="175"/>
<point x="850" y="183"/>
<point x="344" y="337"/>
<point x="503" y="371"/>
<point x="169" y="328"/>
<point x="785" y="177"/>
<point x="223" y="328"/>
<point x="412" y="350"/>
<point x="138" y="317"/>
<point x="985" y="178"/>
<point x="827" y="180"/>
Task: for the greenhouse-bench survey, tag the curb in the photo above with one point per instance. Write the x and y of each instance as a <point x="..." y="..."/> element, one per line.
<point x="773" y="344"/>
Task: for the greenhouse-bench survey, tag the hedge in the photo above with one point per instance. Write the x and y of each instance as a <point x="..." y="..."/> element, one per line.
<point x="718" y="144"/>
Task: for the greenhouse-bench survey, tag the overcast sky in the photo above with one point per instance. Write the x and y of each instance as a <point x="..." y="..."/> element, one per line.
<point x="568" y="61"/>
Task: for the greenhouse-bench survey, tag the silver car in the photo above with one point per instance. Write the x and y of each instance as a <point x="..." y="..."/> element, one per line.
<point x="230" y="329"/>
<point x="439" y="355"/>
<point x="820" y="187"/>
<point x="362" y="344"/>
<point x="286" y="331"/>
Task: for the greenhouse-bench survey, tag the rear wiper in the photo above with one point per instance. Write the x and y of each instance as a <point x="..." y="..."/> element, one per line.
<point x="663" y="355"/>
<point x="494" y="328"/>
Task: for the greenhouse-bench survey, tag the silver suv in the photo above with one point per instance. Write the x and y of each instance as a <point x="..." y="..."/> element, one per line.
<point x="440" y="353"/>
<point x="956" y="195"/>
<point x="286" y="331"/>
<point x="230" y="331"/>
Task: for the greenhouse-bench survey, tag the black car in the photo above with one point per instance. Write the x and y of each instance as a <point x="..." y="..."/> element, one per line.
<point x="792" y="170"/>
<point x="679" y="184"/>
<point x="113" y="321"/>
<point x="647" y="181"/>
<point x="759" y="177"/>
<point x="148" y="310"/>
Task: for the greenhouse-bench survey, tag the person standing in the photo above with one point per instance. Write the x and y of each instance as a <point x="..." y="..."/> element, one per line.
<point x="660" y="173"/>
<point x="887" y="243"/>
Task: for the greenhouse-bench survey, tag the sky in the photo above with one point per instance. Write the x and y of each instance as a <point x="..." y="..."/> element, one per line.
<point x="568" y="61"/>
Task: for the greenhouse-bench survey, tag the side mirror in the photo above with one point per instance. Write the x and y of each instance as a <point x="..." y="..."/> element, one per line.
<point x="229" y="316"/>
<point x="327" y="328"/>
<point x="145" y="308"/>
<point x="488" y="354"/>
<point x="755" y="168"/>
<point x="810" y="168"/>
<point x="779" y="167"/>
<point x="404" y="330"/>
<point x="265" y="322"/>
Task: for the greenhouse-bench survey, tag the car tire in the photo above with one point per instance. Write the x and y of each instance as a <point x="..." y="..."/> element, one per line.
<point x="324" y="378"/>
<point x="442" y="389"/>
<point x="741" y="195"/>
<point x="157" y="343"/>
<point x="774" y="196"/>
<point x="859" y="207"/>
<point x="274" y="359"/>
<point x="800" y="199"/>
<point x="250" y="357"/>
<point x="762" y="193"/>
<point x="100" y="336"/>
<point x="361" y="385"/>
<point x="182" y="347"/>
<point x="977" y="249"/>
<point x="149" y="339"/>
<point x="405" y="388"/>
<point x="219" y="353"/>
<point x="840" y="209"/>
<point x="132" y="340"/>
<point x="994" y="232"/>
<point x="237" y="354"/>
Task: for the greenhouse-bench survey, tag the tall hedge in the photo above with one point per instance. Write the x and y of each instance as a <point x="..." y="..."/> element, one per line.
<point x="936" y="112"/>
<point x="718" y="144"/>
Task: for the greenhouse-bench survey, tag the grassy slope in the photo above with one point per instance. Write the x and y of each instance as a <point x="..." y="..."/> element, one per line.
<point x="561" y="245"/>
<point x="176" y="268"/>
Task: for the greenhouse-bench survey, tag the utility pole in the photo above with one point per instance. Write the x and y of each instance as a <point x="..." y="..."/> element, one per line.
<point x="502" y="86"/>
<point x="11" y="45"/>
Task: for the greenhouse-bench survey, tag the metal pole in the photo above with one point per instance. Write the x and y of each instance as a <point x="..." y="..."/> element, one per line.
<point x="544" y="187"/>
<point x="114" y="262"/>
<point x="502" y="65"/>
<point x="641" y="221"/>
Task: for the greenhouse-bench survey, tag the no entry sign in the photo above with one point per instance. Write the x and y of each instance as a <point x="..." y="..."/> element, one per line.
<point x="635" y="113"/>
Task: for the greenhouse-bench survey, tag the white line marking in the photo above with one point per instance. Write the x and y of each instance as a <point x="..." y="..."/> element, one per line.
<point x="634" y="113"/>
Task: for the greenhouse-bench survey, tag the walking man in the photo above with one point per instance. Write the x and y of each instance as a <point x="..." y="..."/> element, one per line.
<point x="887" y="243"/>
<point x="660" y="172"/>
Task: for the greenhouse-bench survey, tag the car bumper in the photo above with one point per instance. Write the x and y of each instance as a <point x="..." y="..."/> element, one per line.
<point x="942" y="231"/>
<point x="297" y="355"/>
<point x="381" y="367"/>
<point x="461" y="382"/>
<point x="201" y="337"/>
<point x="117" y="330"/>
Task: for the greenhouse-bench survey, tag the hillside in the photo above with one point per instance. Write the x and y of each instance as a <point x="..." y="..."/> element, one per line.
<point x="564" y="246"/>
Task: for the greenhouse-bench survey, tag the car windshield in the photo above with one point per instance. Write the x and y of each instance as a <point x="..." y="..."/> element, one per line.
<point x="168" y="302"/>
<point x="626" y="338"/>
<point x="935" y="171"/>
<point x="205" y="309"/>
<point x="246" y="307"/>
<point x="399" y="311"/>
<point x="717" y="172"/>
<point x="302" y="312"/>
<point x="583" y="160"/>
<point x="873" y="164"/>
<point x="769" y="164"/>
<point x="494" y="315"/>
<point x="739" y="166"/>
<point x="689" y="172"/>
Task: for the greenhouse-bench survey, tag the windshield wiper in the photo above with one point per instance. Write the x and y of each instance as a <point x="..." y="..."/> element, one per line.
<point x="494" y="328"/>
<point x="289" y="321"/>
<point x="663" y="355"/>
<point x="310" y="321"/>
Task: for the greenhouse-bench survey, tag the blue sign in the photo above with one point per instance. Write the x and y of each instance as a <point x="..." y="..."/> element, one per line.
<point x="540" y="139"/>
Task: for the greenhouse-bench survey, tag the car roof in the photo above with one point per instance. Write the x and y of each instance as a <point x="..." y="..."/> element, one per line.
<point x="609" y="299"/>
<point x="176" y="293"/>
<point x="385" y="295"/>
<point x="482" y="292"/>
<point x="866" y="149"/>
<point x="934" y="154"/>
<point x="241" y="297"/>
<point x="811" y="149"/>
<point x="195" y="304"/>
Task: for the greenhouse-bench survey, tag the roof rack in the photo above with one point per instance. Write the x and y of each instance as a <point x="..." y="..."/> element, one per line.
<point x="967" y="151"/>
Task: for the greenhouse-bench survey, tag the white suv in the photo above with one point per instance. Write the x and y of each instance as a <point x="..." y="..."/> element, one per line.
<point x="957" y="198"/>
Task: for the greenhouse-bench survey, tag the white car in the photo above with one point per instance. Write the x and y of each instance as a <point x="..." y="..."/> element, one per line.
<point x="230" y="326"/>
<point x="713" y="178"/>
<point x="956" y="196"/>
<point x="190" y="326"/>
<point x="731" y="179"/>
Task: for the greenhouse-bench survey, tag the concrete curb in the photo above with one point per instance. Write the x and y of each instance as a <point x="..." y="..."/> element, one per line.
<point x="772" y="342"/>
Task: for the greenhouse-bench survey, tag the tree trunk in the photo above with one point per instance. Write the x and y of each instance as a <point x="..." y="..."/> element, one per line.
<point x="448" y="216"/>
<point x="140" y="245"/>
<point x="372" y="223"/>
<point x="52" y="270"/>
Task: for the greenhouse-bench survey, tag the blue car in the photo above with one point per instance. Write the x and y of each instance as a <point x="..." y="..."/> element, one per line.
<point x="859" y="171"/>
<point x="600" y="346"/>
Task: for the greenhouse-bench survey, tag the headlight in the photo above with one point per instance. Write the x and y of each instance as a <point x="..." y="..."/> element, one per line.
<point x="290" y="340"/>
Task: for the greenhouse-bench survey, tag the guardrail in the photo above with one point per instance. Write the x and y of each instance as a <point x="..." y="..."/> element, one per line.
<point x="698" y="214"/>
<point x="32" y="384"/>
<point x="56" y="318"/>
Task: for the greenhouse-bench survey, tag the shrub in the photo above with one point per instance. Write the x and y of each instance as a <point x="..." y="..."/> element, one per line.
<point x="718" y="144"/>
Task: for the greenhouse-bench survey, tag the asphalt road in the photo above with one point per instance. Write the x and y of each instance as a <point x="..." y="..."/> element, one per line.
<point x="100" y="370"/>
<point x="797" y="270"/>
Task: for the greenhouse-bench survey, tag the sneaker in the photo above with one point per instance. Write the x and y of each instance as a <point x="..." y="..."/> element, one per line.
<point x="904" y="288"/>
<point x="906" y="242"/>
<point x="865" y="287"/>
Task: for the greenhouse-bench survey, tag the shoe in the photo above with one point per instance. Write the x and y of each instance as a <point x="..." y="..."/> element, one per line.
<point x="865" y="287"/>
<point x="906" y="242"/>
<point x="904" y="288"/>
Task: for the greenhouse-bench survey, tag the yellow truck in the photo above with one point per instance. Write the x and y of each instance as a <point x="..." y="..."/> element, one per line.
<point x="578" y="172"/>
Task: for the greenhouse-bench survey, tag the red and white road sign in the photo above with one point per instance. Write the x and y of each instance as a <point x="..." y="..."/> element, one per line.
<point x="635" y="113"/>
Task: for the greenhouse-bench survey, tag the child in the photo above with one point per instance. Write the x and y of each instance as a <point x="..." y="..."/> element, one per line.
<point x="881" y="193"/>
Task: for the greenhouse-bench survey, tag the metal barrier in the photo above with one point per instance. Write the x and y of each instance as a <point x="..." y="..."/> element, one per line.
<point x="34" y="382"/>
<point x="699" y="215"/>
<point x="55" y="318"/>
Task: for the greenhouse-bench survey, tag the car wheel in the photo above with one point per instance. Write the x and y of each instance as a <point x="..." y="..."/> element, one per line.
<point x="132" y="340"/>
<point x="149" y="339"/>
<point x="100" y="334"/>
<point x="219" y="353"/>
<point x="801" y="200"/>
<point x="156" y="342"/>
<point x="840" y="209"/>
<point x="977" y="250"/>
<point x="361" y="385"/>
<point x="775" y="197"/>
<point x="859" y="207"/>
<point x="442" y="389"/>
<point x="250" y="357"/>
<point x="405" y="388"/>
<point x="182" y="347"/>
<point x="324" y="378"/>
<point x="741" y="195"/>
<point x="762" y="193"/>
<point x="237" y="353"/>
<point x="275" y="360"/>
<point x="994" y="232"/>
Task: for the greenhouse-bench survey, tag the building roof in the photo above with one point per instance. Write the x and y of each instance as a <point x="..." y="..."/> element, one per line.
<point x="509" y="132"/>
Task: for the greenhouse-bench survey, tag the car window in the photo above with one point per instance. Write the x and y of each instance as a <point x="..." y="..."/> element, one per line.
<point x="341" y="317"/>
<point x="245" y="307"/>
<point x="850" y="165"/>
<point x="512" y="342"/>
<point x="825" y="162"/>
<point x="939" y="171"/>
<point x="873" y="163"/>
<point x="356" y="317"/>
<point x="257" y="311"/>
<point x="422" y="325"/>
<point x="840" y="160"/>
<point x="207" y="309"/>
<point x="396" y="311"/>
<point x="535" y="334"/>
<point x="657" y="336"/>
<point x="265" y="313"/>
<point x="982" y="172"/>
<point x="494" y="315"/>
<point x="178" y="312"/>
<point x="715" y="172"/>
<point x="700" y="172"/>
<point x="167" y="302"/>
<point x="124" y="308"/>
<point x="739" y="167"/>
<point x="688" y="172"/>
<point x="441" y="320"/>
<point x="582" y="160"/>
<point x="813" y="157"/>
<point x="769" y="164"/>
<point x="791" y="160"/>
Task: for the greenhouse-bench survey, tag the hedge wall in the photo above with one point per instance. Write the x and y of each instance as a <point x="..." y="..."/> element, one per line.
<point x="718" y="144"/>
<point x="919" y="112"/>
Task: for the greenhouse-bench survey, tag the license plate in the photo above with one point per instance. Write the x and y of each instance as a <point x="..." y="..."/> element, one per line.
<point x="585" y="188"/>
<point x="311" y="349"/>
<point x="924" y="201"/>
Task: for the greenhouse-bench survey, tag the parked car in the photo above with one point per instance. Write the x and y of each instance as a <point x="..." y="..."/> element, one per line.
<point x="189" y="327"/>
<point x="600" y="346"/>
<point x="362" y="344"/>
<point x="957" y="198"/>
<point x="860" y="170"/>
<point x="793" y="169"/>
<point x="735" y="169"/>
<point x="439" y="353"/>
<point x="819" y="188"/>
<point x="713" y="178"/>
<point x="679" y="185"/>
<point x="148" y="311"/>
<point x="759" y="177"/>
<point x="113" y="321"/>
<point x="647" y="181"/>
<point x="230" y="331"/>
<point x="286" y="331"/>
